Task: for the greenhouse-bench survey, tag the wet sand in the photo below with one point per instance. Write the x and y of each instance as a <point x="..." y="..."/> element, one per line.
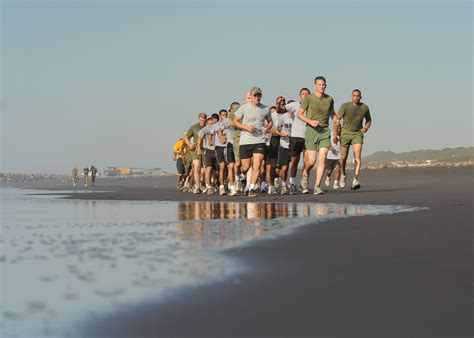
<point x="406" y="274"/>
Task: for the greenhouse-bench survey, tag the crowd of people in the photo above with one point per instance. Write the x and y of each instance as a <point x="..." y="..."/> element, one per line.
<point x="253" y="149"/>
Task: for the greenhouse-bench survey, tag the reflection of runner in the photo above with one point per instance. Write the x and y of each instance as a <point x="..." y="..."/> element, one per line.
<point x="319" y="108"/>
<point x="353" y="113"/>
<point x="74" y="176"/>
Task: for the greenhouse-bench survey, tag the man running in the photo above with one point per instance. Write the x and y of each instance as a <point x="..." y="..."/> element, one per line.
<point x="334" y="157"/>
<point x="298" y="130"/>
<point x="250" y="119"/>
<point x="284" y="131"/>
<point x="225" y="152"/>
<point x="192" y="133"/>
<point x="353" y="113"/>
<point x="207" y="134"/>
<point x="178" y="156"/>
<point x="319" y="108"/>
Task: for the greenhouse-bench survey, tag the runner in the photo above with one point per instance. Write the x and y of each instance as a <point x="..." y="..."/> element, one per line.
<point x="284" y="130"/>
<point x="192" y="133"/>
<point x="74" y="176"/>
<point x="225" y="152"/>
<point x="353" y="113"/>
<point x="272" y="149"/>
<point x="334" y="157"/>
<point x="298" y="130"/>
<point x="250" y="119"/>
<point x="207" y="134"/>
<point x="178" y="156"/>
<point x="319" y="108"/>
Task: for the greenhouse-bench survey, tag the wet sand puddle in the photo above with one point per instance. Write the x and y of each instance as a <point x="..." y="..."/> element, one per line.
<point x="65" y="261"/>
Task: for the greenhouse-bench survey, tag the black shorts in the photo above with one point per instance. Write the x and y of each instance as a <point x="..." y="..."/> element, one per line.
<point x="247" y="150"/>
<point x="230" y="153"/>
<point x="220" y="154"/>
<point x="209" y="158"/>
<point x="273" y="147"/>
<point x="296" y="146"/>
<point x="180" y="166"/>
<point x="283" y="156"/>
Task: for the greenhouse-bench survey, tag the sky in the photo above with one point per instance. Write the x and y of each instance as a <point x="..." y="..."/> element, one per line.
<point x="115" y="83"/>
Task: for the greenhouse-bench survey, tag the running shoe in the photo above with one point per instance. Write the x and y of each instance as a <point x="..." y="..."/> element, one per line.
<point x="336" y="185"/>
<point x="328" y="181"/>
<point x="342" y="184"/>
<point x="293" y="189"/>
<point x="355" y="184"/>
<point x="232" y="192"/>
<point x="272" y="190"/>
<point x="284" y="189"/>
<point x="221" y="190"/>
<point x="196" y="190"/>
<point x="263" y="187"/>
<point x="252" y="193"/>
<point x="318" y="190"/>
<point x="304" y="184"/>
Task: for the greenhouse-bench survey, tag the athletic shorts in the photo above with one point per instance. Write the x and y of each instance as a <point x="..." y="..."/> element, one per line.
<point x="236" y="144"/>
<point x="351" y="137"/>
<point x="273" y="147"/>
<point x="283" y="156"/>
<point x="247" y="150"/>
<point x="180" y="165"/>
<point x="331" y="163"/>
<point x="296" y="146"/>
<point x="317" y="138"/>
<point x="188" y="161"/>
<point x="221" y="154"/>
<point x="195" y="156"/>
<point x="230" y="153"/>
<point x="209" y="158"/>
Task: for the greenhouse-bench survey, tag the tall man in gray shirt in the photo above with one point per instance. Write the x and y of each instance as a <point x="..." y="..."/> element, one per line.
<point x="250" y="118"/>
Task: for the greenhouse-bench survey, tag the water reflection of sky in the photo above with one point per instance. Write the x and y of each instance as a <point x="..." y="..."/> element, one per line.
<point x="65" y="261"/>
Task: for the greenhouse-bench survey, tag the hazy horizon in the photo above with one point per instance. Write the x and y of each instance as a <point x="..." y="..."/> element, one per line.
<point x="116" y="84"/>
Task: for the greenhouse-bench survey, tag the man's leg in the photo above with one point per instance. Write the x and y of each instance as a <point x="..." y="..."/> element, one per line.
<point x="197" y="175"/>
<point x="357" y="149"/>
<point x="344" y="154"/>
<point x="256" y="164"/>
<point x="321" y="166"/>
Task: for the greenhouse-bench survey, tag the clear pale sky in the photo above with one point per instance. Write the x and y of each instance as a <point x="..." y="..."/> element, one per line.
<point x="115" y="83"/>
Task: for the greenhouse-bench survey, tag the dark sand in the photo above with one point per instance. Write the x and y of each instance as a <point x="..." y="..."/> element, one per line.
<point x="406" y="274"/>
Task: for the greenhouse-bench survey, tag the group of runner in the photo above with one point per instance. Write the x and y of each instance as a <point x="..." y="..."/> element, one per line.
<point x="252" y="148"/>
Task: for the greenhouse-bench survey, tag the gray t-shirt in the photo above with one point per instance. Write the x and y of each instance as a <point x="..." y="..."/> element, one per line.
<point x="285" y="126"/>
<point x="208" y="129"/>
<point x="217" y="140"/>
<point x="299" y="126"/>
<point x="256" y="116"/>
<point x="227" y="129"/>
<point x="335" y="152"/>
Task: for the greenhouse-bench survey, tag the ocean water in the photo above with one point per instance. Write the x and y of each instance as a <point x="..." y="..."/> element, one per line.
<point x="66" y="261"/>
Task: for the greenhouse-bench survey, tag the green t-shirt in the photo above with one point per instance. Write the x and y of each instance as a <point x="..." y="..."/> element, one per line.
<point x="318" y="108"/>
<point x="353" y="115"/>
<point x="192" y="133"/>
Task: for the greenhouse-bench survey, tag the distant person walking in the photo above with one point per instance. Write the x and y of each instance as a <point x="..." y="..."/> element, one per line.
<point x="353" y="114"/>
<point x="74" y="176"/>
<point x="85" y="172"/>
<point x="93" y="171"/>
<point x="319" y="108"/>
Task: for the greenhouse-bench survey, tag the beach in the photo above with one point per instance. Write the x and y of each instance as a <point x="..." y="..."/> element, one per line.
<point x="406" y="274"/>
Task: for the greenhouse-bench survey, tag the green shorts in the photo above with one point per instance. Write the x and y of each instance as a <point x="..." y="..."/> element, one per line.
<point x="317" y="138"/>
<point x="188" y="159"/>
<point x="236" y="145"/>
<point x="195" y="156"/>
<point x="351" y="137"/>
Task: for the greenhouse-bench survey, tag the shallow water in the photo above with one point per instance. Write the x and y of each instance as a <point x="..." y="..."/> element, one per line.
<point x="65" y="261"/>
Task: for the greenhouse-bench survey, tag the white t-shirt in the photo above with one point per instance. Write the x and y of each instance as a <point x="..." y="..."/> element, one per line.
<point x="284" y="126"/>
<point x="215" y="130"/>
<point x="208" y="129"/>
<point x="334" y="153"/>
<point x="299" y="126"/>
<point x="256" y="116"/>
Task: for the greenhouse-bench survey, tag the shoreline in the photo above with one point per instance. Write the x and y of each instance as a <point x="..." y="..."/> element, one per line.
<point x="407" y="274"/>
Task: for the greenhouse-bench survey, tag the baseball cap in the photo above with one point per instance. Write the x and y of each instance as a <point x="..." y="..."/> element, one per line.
<point x="255" y="91"/>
